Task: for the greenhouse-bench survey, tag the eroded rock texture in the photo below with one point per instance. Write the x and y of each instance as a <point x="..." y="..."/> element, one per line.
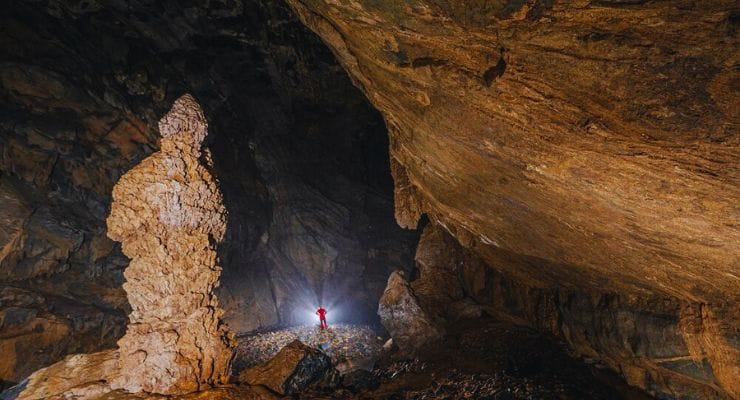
<point x="579" y="135"/>
<point x="168" y="214"/>
<point x="79" y="376"/>
<point x="587" y="147"/>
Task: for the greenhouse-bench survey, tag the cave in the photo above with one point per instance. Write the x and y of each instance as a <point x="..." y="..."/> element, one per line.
<point x="490" y="199"/>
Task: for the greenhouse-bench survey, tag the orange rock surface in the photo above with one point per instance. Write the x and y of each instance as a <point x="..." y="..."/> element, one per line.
<point x="589" y="145"/>
<point x="168" y="214"/>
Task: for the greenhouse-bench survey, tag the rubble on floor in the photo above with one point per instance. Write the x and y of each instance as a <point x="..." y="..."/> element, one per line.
<point x="349" y="346"/>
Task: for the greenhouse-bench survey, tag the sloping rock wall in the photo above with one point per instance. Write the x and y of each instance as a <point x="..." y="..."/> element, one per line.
<point x="667" y="346"/>
<point x="584" y="135"/>
<point x="580" y="147"/>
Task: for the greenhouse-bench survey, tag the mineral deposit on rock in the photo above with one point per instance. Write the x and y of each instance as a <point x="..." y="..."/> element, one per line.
<point x="580" y="146"/>
<point x="168" y="214"/>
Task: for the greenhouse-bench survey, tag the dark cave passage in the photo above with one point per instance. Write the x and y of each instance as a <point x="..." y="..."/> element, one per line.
<point x="325" y="144"/>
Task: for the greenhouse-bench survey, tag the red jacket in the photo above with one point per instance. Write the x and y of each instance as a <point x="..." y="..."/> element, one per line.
<point x="321" y="313"/>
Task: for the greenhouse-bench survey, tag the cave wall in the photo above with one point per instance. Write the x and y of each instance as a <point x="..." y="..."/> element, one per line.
<point x="69" y="127"/>
<point x="586" y="149"/>
<point x="297" y="149"/>
<point x="668" y="346"/>
<point x="576" y="133"/>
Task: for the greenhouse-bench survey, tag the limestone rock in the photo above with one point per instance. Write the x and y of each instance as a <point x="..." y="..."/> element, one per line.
<point x="32" y="321"/>
<point x="659" y="344"/>
<point x="439" y="261"/>
<point x="409" y="325"/>
<point x="300" y="154"/>
<point x="293" y="369"/>
<point x="563" y="141"/>
<point x="77" y="376"/>
<point x="551" y="131"/>
<point x="168" y="214"/>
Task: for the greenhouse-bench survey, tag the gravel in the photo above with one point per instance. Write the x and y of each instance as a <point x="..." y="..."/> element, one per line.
<point x="348" y="346"/>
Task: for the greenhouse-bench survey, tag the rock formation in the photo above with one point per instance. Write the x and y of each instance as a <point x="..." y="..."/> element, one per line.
<point x="293" y="369"/>
<point x="655" y="343"/>
<point x="585" y="146"/>
<point x="411" y="327"/>
<point x="79" y="376"/>
<point x="286" y="128"/>
<point x="168" y="214"/>
<point x="584" y="154"/>
<point x="86" y="376"/>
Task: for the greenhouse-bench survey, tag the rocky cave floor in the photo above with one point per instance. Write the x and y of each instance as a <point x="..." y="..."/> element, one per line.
<point x="478" y="359"/>
<point x="484" y="358"/>
<point x="348" y="346"/>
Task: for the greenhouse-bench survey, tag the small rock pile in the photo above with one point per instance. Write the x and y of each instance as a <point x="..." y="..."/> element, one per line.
<point x="343" y="343"/>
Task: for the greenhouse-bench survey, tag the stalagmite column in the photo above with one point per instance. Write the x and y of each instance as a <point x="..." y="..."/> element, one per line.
<point x="168" y="214"/>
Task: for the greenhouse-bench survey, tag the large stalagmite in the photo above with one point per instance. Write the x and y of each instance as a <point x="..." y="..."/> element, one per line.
<point x="168" y="213"/>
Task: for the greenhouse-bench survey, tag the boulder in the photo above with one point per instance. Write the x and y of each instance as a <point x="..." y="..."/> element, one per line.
<point x="77" y="376"/>
<point x="410" y="326"/>
<point x="295" y="368"/>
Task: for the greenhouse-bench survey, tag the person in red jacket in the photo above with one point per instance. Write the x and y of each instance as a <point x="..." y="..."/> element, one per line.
<point x="321" y="312"/>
